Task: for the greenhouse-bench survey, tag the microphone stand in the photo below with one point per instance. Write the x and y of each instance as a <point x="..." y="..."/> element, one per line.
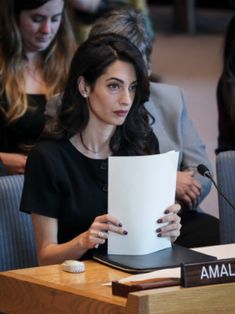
<point x="208" y="175"/>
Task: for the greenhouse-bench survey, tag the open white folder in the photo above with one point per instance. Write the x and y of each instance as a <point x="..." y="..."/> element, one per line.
<point x="140" y="188"/>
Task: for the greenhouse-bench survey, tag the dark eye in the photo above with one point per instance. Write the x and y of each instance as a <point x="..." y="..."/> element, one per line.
<point x="114" y="86"/>
<point x="133" y="88"/>
<point x="56" y="18"/>
<point x="37" y="18"/>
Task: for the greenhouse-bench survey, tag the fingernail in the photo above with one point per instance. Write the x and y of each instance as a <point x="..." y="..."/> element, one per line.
<point x="159" y="230"/>
<point x="159" y="221"/>
<point x="125" y="232"/>
<point x="159" y="235"/>
<point x="120" y="224"/>
<point x="166" y="211"/>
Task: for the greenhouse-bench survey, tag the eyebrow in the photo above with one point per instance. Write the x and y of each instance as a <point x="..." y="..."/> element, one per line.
<point x="57" y="14"/>
<point x="119" y="80"/>
<point x="43" y="15"/>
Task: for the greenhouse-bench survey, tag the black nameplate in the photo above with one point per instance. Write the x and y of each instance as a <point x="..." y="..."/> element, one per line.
<point x="207" y="273"/>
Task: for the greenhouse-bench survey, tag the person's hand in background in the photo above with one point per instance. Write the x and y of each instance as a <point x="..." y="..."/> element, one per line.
<point x="13" y="163"/>
<point x="188" y="189"/>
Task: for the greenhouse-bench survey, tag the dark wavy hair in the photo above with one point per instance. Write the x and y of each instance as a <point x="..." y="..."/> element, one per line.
<point x="226" y="84"/>
<point x="134" y="136"/>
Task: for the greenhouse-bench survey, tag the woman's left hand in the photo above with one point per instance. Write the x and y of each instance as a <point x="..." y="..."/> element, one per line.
<point x="172" y="223"/>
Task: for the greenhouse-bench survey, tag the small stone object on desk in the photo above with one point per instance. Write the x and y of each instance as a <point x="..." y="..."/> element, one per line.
<point x="73" y="266"/>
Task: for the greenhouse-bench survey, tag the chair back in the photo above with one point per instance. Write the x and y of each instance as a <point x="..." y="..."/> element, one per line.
<point x="17" y="243"/>
<point x="225" y="169"/>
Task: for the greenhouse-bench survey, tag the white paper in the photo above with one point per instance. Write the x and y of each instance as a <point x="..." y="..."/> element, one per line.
<point x="161" y="273"/>
<point x="140" y="188"/>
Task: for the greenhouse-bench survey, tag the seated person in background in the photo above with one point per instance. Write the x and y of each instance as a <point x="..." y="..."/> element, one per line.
<point x="226" y="93"/>
<point x="102" y="114"/>
<point x="85" y="12"/>
<point x="174" y="130"/>
<point x="36" y="48"/>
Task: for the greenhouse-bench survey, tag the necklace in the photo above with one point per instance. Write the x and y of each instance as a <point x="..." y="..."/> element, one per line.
<point x="87" y="148"/>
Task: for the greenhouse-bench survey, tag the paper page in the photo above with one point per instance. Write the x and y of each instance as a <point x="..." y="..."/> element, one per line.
<point x="162" y="273"/>
<point x="140" y="189"/>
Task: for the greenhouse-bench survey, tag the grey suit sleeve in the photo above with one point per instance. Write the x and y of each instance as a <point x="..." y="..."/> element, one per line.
<point x="194" y="152"/>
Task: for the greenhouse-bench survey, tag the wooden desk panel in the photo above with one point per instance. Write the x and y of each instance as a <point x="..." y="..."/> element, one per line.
<point x="48" y="290"/>
<point x="208" y="299"/>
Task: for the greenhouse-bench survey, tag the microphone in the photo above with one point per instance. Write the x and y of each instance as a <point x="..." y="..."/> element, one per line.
<point x="205" y="172"/>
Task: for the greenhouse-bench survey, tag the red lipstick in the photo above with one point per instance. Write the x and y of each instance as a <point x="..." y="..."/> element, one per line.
<point x="121" y="113"/>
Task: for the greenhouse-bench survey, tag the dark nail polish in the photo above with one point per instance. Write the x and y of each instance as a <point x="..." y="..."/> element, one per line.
<point x="159" y="221"/>
<point x="120" y="224"/>
<point x="159" y="230"/>
<point x="159" y="235"/>
<point x="166" y="211"/>
<point x="125" y="232"/>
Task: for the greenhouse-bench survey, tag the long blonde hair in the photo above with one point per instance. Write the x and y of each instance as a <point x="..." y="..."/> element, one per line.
<point x="56" y="61"/>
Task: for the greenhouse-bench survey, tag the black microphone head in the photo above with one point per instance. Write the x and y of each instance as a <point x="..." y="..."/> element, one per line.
<point x="203" y="170"/>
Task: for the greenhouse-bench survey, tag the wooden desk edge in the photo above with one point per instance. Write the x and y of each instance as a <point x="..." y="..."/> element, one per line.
<point x="11" y="275"/>
<point x="216" y="298"/>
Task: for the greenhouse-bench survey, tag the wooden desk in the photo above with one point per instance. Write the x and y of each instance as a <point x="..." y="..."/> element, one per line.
<point x="48" y="289"/>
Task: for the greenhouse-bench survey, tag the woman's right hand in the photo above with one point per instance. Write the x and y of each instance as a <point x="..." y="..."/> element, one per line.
<point x="99" y="231"/>
<point x="13" y="163"/>
<point x="172" y="223"/>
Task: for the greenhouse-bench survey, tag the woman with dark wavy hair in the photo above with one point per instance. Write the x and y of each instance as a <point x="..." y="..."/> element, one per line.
<point x="36" y="47"/>
<point x="101" y="114"/>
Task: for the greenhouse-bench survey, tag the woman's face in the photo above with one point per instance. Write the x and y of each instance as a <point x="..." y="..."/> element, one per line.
<point x="112" y="96"/>
<point x="39" y="26"/>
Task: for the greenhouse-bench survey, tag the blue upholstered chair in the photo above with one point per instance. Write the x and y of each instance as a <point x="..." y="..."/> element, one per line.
<point x="225" y="168"/>
<point x="17" y="245"/>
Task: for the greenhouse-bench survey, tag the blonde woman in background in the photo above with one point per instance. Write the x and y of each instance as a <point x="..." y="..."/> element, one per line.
<point x="36" y="48"/>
